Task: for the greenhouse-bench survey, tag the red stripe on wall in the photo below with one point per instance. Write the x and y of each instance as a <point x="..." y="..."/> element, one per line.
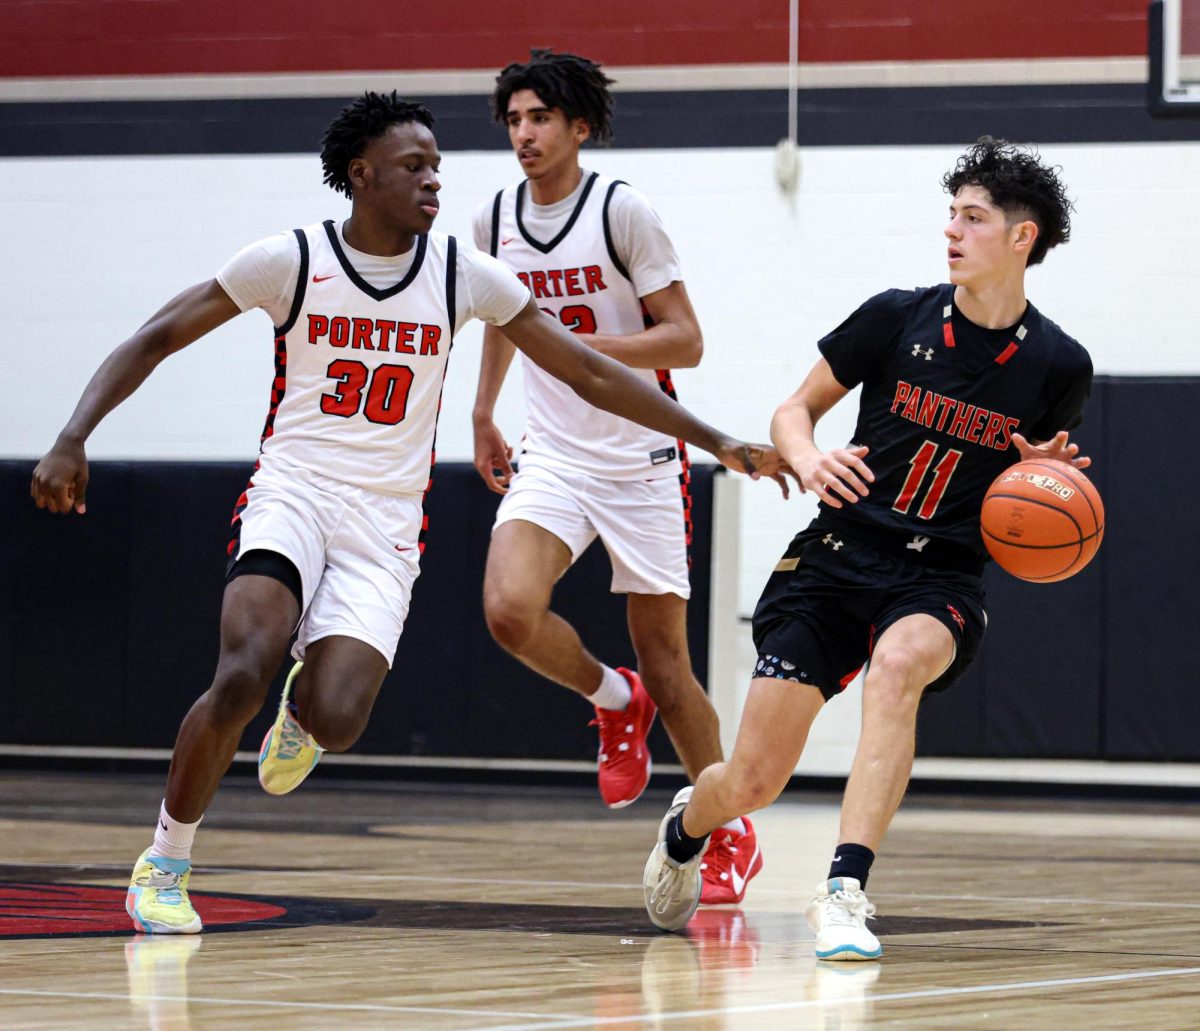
<point x="176" y="37"/>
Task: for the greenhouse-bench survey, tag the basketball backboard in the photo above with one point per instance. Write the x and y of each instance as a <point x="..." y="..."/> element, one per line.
<point x="1174" y="51"/>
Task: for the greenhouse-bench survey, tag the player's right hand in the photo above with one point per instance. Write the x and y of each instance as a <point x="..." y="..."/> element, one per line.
<point x="493" y="456"/>
<point x="60" y="480"/>
<point x="837" y="475"/>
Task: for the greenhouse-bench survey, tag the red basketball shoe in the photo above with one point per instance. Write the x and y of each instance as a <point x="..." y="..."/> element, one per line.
<point x="624" y="758"/>
<point x="731" y="861"/>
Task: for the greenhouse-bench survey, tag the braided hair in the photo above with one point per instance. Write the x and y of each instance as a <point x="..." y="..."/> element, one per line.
<point x="362" y="120"/>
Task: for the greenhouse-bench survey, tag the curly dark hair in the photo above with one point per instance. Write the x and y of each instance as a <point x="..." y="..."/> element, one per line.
<point x="1020" y="185"/>
<point x="362" y="120"/>
<point x="573" y="84"/>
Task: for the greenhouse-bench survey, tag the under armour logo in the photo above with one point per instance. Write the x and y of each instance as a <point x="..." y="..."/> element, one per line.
<point x="919" y="351"/>
<point x="828" y="539"/>
<point x="917" y="543"/>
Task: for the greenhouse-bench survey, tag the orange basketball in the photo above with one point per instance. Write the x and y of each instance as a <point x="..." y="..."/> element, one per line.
<point x="1042" y="520"/>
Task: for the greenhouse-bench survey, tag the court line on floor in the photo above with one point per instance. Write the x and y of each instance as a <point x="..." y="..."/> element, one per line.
<point x="226" y="871"/>
<point x="633" y="885"/>
<point x="801" y="1004"/>
<point x="276" y="1004"/>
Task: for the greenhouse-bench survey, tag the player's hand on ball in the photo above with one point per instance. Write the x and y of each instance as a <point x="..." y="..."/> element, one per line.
<point x="1056" y="449"/>
<point x="60" y="480"/>
<point x="836" y="476"/>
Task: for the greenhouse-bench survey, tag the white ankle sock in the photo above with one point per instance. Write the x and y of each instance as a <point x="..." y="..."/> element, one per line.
<point x="614" y="691"/>
<point x="736" y="824"/>
<point x="173" y="839"/>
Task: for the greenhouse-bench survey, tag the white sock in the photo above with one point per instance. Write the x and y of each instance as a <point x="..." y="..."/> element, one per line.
<point x="614" y="691"/>
<point x="173" y="839"/>
<point x="737" y="824"/>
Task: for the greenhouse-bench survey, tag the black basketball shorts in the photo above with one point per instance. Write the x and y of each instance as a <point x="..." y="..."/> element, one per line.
<point x="831" y="598"/>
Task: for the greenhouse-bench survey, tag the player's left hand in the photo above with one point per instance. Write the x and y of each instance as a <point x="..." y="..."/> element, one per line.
<point x="756" y="461"/>
<point x="1056" y="449"/>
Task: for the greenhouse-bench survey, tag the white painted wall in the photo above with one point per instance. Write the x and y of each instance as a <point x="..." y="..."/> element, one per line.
<point x="93" y="246"/>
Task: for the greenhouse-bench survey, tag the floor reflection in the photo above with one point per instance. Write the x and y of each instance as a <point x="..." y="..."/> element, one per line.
<point x="726" y="970"/>
<point x="158" y="978"/>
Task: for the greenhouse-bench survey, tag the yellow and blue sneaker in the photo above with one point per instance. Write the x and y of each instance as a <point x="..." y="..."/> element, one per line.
<point x="158" y="900"/>
<point x="288" y="752"/>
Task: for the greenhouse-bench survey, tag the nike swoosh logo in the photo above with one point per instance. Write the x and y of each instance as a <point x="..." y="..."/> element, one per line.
<point x="321" y="279"/>
<point x="505" y="243"/>
<point x="398" y="548"/>
<point x="162" y="825"/>
<point x="739" y="882"/>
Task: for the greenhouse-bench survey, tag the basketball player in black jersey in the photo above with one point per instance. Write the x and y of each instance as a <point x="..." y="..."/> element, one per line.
<point x="958" y="382"/>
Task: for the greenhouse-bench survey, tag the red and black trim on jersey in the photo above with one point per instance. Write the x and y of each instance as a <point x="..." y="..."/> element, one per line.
<point x="685" y="466"/>
<point x="278" y="386"/>
<point x="1000" y="359"/>
<point x="452" y="317"/>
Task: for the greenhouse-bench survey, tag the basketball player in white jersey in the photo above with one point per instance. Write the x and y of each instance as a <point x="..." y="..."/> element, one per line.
<point x="327" y="536"/>
<point x="596" y="257"/>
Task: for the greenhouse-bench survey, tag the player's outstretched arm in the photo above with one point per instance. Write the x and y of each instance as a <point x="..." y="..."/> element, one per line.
<point x="60" y="479"/>
<point x="835" y="475"/>
<point x="1056" y="449"/>
<point x="493" y="455"/>
<point x="602" y="382"/>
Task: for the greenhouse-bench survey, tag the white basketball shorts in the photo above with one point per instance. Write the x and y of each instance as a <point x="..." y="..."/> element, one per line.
<point x="356" y="550"/>
<point x="640" y="522"/>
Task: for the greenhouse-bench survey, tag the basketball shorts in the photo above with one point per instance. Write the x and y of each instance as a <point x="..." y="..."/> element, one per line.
<point x="831" y="597"/>
<point x="640" y="522"/>
<point x="356" y="551"/>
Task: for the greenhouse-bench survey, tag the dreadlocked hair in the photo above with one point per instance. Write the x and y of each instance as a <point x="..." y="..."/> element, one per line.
<point x="362" y="120"/>
<point x="1020" y="185"/>
<point x="573" y="84"/>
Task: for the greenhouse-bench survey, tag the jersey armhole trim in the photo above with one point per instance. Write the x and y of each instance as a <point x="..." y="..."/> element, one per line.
<point x="496" y="223"/>
<point x="608" y="237"/>
<point x="301" y="282"/>
<point x="451" y="283"/>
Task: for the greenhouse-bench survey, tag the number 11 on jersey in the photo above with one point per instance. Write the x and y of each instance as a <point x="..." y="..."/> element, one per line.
<point x="918" y="466"/>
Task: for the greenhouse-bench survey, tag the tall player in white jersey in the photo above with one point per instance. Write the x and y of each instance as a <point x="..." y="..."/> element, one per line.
<point x="327" y="535"/>
<point x="596" y="257"/>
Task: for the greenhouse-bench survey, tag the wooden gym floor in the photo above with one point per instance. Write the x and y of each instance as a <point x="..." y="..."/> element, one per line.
<point x="381" y="906"/>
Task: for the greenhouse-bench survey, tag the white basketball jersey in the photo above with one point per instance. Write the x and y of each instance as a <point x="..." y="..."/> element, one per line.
<point x="359" y="370"/>
<point x="578" y="278"/>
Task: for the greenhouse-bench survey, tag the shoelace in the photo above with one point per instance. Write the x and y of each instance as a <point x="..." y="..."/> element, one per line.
<point x="167" y="885"/>
<point x="292" y="737"/>
<point x="847" y="909"/>
<point x="719" y="858"/>
<point x="671" y="880"/>
<point x="613" y="725"/>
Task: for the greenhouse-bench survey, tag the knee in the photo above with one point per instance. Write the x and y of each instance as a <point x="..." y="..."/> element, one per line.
<point x="511" y="620"/>
<point x="239" y="690"/>
<point x="894" y="680"/>
<point x="335" y="726"/>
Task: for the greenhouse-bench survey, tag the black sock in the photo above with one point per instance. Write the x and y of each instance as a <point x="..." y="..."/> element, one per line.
<point x="681" y="846"/>
<point x="851" y="860"/>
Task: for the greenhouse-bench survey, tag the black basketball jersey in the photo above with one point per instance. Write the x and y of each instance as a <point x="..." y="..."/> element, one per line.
<point x="941" y="398"/>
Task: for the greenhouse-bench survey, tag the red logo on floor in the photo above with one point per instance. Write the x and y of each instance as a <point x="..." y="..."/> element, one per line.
<point x="34" y="910"/>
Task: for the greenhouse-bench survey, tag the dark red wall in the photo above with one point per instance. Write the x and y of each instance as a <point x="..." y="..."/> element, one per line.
<point x="139" y="37"/>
